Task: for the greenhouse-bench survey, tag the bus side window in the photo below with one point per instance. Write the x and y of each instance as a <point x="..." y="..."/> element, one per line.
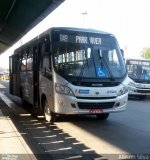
<point x="23" y="64"/>
<point x="46" y="67"/>
<point x="45" y="46"/>
<point x="45" y="57"/>
<point x="30" y="59"/>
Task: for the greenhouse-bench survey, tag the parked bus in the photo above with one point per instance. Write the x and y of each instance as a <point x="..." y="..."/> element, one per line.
<point x="70" y="71"/>
<point x="139" y="72"/>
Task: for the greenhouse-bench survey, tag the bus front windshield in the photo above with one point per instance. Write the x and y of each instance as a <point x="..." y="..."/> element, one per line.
<point x="100" y="59"/>
<point x="139" y="70"/>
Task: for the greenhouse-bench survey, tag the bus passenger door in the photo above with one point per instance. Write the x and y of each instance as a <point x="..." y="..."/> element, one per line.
<point x="35" y="76"/>
<point x="46" y="79"/>
<point x="14" y="73"/>
<point x="10" y="76"/>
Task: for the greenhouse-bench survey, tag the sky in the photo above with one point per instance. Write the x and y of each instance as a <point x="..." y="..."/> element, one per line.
<point x="128" y="20"/>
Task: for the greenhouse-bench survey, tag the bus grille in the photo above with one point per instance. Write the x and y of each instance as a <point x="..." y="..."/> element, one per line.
<point x="97" y="98"/>
<point x="96" y="84"/>
<point x="100" y="105"/>
<point x="143" y="91"/>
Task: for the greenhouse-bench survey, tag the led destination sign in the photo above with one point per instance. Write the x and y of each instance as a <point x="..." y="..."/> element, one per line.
<point x="80" y="39"/>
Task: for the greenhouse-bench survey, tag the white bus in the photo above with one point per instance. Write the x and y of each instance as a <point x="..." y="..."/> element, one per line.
<point x="139" y="74"/>
<point x="70" y="71"/>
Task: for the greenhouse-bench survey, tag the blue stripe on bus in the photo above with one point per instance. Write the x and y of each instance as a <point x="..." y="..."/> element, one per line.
<point x="82" y="91"/>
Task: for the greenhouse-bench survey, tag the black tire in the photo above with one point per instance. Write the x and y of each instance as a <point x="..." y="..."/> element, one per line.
<point x="102" y="116"/>
<point x="49" y="115"/>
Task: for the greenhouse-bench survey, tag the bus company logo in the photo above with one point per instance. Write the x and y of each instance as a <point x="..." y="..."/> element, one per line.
<point x="97" y="92"/>
<point x="144" y="86"/>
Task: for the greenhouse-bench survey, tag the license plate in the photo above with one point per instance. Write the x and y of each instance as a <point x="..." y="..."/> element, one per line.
<point x="96" y="111"/>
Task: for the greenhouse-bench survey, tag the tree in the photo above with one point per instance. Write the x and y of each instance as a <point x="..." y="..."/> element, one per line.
<point x="145" y="53"/>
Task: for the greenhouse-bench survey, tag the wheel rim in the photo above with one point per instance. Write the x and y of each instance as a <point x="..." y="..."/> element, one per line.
<point x="47" y="113"/>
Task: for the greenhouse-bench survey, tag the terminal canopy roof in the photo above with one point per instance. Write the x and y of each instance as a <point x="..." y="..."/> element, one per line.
<point x="17" y="17"/>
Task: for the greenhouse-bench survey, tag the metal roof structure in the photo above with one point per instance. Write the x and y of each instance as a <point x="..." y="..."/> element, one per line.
<point x="17" y="17"/>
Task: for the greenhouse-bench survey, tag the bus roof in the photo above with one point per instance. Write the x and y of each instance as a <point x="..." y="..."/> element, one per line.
<point x="90" y="30"/>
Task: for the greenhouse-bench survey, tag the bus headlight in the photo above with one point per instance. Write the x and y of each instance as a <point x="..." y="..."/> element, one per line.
<point x="63" y="89"/>
<point x="123" y="90"/>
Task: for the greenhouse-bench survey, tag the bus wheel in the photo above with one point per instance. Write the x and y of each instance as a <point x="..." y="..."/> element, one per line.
<point x="102" y="116"/>
<point x="49" y="115"/>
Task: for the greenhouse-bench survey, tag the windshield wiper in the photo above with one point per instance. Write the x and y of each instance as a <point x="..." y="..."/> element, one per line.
<point x="82" y="68"/>
<point x="106" y="64"/>
<point x="87" y="63"/>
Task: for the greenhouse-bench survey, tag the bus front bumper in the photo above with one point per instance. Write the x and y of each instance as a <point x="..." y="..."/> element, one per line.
<point x="71" y="105"/>
<point x="139" y="92"/>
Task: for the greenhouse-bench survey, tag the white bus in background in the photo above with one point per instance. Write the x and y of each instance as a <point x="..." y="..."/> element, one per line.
<point x="70" y="71"/>
<point x="139" y="74"/>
